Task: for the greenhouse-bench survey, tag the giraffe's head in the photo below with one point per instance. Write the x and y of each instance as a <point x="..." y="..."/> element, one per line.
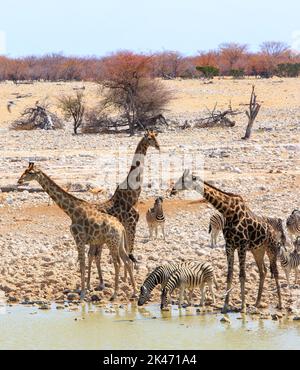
<point x="150" y="139"/>
<point x="188" y="181"/>
<point x="31" y="173"/>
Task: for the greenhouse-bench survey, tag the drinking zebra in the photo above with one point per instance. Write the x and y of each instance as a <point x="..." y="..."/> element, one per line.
<point x="216" y="225"/>
<point x="159" y="276"/>
<point x="293" y="223"/>
<point x="190" y="277"/>
<point x="155" y="218"/>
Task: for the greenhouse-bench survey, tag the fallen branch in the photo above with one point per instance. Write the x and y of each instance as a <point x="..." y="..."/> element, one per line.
<point x="218" y="118"/>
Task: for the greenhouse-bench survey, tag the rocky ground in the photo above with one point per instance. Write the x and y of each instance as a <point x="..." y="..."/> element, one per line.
<point x="38" y="259"/>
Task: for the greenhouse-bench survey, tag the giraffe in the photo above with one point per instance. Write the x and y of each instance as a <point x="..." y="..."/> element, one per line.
<point x="243" y="231"/>
<point x="122" y="204"/>
<point x="89" y="226"/>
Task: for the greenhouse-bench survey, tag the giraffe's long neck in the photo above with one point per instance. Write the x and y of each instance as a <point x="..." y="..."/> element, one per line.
<point x="130" y="189"/>
<point x="64" y="200"/>
<point x="225" y="203"/>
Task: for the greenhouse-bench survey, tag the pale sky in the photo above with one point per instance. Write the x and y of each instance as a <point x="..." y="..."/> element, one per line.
<point x="97" y="27"/>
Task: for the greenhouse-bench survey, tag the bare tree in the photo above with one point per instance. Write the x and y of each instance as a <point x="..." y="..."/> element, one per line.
<point x="254" y="108"/>
<point x="274" y="48"/>
<point x="73" y="108"/>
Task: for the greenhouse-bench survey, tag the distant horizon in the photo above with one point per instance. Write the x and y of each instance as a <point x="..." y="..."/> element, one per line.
<point x="99" y="28"/>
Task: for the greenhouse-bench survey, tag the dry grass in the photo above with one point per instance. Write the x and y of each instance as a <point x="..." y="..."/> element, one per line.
<point x="190" y="95"/>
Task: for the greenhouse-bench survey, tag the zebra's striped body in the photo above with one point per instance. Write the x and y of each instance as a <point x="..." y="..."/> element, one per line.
<point x="155" y="218"/>
<point x="216" y="225"/>
<point x="293" y="224"/>
<point x="159" y="276"/>
<point x="289" y="261"/>
<point x="190" y="277"/>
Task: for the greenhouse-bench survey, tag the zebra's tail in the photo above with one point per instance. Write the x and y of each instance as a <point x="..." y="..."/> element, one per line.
<point x="209" y="229"/>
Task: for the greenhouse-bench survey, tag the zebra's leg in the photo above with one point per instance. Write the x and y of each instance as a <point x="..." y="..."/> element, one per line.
<point x="202" y="300"/>
<point x="163" y="231"/>
<point x="191" y="302"/>
<point x="181" y="293"/>
<point x="287" y="275"/>
<point x="230" y="262"/>
<point x="259" y="259"/>
<point x="212" y="240"/>
<point x="156" y="232"/>
<point x="211" y="289"/>
<point x="296" y="275"/>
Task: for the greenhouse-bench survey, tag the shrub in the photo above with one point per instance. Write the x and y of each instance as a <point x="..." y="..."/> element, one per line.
<point x="73" y="107"/>
<point x="237" y="73"/>
<point x="208" y="71"/>
<point x="288" y="69"/>
<point x="37" y="117"/>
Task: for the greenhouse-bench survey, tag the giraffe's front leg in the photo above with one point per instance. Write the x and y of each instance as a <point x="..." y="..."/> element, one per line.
<point x="81" y="255"/>
<point x="230" y="262"/>
<point x="80" y="243"/>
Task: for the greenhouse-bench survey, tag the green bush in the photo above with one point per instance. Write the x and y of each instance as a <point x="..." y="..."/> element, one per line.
<point x="288" y="69"/>
<point x="237" y="73"/>
<point x="208" y="71"/>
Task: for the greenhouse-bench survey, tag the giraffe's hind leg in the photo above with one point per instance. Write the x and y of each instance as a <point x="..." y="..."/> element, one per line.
<point x="91" y="256"/>
<point x="273" y="264"/>
<point x="258" y="255"/>
<point x="242" y="261"/>
<point x="98" y="264"/>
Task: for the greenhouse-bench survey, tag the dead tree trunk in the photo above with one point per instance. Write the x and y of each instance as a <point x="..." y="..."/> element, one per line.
<point x="254" y="108"/>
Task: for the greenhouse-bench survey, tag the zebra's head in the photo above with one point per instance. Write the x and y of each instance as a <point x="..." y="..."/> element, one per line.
<point x="164" y="299"/>
<point x="144" y="296"/>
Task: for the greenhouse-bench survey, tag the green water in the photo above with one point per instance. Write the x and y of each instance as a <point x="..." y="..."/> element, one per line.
<point x="134" y="328"/>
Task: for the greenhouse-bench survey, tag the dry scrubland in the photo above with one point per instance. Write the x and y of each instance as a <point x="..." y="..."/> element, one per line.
<point x="38" y="260"/>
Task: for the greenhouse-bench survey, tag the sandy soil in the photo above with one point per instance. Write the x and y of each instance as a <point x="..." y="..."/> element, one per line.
<point x="38" y="260"/>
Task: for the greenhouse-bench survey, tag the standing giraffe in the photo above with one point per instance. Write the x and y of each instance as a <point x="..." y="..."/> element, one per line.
<point x="243" y="231"/>
<point x="89" y="226"/>
<point x="122" y="203"/>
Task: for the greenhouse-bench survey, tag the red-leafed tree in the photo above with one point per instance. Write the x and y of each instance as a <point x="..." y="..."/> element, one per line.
<point x="128" y="86"/>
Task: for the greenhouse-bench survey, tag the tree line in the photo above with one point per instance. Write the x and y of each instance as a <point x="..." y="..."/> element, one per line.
<point x="229" y="59"/>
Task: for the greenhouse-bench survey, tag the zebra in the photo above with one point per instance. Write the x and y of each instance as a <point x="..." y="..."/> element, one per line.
<point x="277" y="225"/>
<point x="293" y="224"/>
<point x="190" y="277"/>
<point x="155" y="217"/>
<point x="160" y="276"/>
<point x="289" y="261"/>
<point x="216" y="225"/>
